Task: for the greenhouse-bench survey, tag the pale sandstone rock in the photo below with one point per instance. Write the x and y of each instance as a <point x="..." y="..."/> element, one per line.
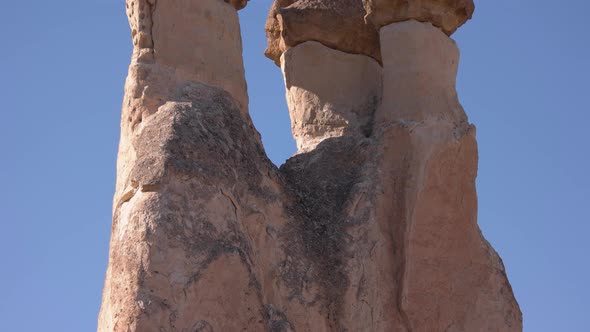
<point x="211" y="55"/>
<point x="447" y="15"/>
<point x="181" y="43"/>
<point x="178" y="243"/>
<point x="205" y="235"/>
<point x="420" y="76"/>
<point x="370" y="227"/>
<point x="429" y="149"/>
<point x="394" y="215"/>
<point x="338" y="24"/>
<point x="329" y="93"/>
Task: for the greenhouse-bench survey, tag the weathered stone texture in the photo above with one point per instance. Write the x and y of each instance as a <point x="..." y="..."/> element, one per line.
<point x="338" y="24"/>
<point x="429" y="149"/>
<point x="371" y="226"/>
<point x="329" y="93"/>
<point x="192" y="41"/>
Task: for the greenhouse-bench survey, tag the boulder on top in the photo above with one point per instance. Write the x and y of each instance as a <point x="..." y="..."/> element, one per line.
<point x="338" y="24"/>
<point x="448" y="15"/>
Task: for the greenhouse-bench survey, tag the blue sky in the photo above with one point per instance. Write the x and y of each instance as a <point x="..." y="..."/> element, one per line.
<point x="523" y="81"/>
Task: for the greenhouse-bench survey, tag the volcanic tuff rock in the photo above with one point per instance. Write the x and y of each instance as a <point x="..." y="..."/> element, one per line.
<point x="371" y="226"/>
<point x="338" y="24"/>
<point x="430" y="154"/>
<point x="448" y="15"/>
<point x="329" y="93"/>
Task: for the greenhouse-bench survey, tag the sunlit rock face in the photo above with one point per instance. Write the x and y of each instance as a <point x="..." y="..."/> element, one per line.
<point x="371" y="226"/>
<point x="430" y="151"/>
<point x="329" y="93"/>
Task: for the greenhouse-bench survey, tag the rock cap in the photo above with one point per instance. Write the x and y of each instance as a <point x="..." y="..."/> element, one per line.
<point x="448" y="15"/>
<point x="338" y="24"/>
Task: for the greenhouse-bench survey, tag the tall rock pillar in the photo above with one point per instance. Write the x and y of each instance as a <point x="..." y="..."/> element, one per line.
<point x="371" y="226"/>
<point x="449" y="277"/>
<point x="389" y="186"/>
<point x="189" y="162"/>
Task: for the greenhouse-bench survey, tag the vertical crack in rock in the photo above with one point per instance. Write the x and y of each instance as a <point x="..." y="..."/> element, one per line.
<point x="401" y="235"/>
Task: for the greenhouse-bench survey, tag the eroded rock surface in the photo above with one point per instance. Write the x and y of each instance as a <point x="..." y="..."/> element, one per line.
<point x="447" y="15"/>
<point x="429" y="158"/>
<point x="371" y="226"/>
<point x="338" y="24"/>
<point x="180" y="240"/>
<point x="329" y="93"/>
<point x="177" y="242"/>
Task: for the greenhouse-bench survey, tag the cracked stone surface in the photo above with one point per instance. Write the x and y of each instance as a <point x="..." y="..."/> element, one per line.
<point x="371" y="226"/>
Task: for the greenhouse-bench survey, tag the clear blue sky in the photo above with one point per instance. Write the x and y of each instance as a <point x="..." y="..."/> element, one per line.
<point x="524" y="81"/>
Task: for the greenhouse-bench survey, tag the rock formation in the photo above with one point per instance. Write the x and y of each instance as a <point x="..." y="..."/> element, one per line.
<point x="448" y="15"/>
<point x="338" y="24"/>
<point x="371" y="226"/>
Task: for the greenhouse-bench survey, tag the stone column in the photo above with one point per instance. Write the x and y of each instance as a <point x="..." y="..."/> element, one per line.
<point x="449" y="277"/>
<point x="387" y="194"/>
<point x="330" y="93"/>
<point x="330" y="61"/>
<point x="371" y="226"/>
<point x="190" y="171"/>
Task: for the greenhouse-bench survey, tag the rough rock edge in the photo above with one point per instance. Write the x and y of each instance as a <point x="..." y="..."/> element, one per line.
<point x="288" y="12"/>
<point x="426" y="15"/>
<point x="237" y="4"/>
